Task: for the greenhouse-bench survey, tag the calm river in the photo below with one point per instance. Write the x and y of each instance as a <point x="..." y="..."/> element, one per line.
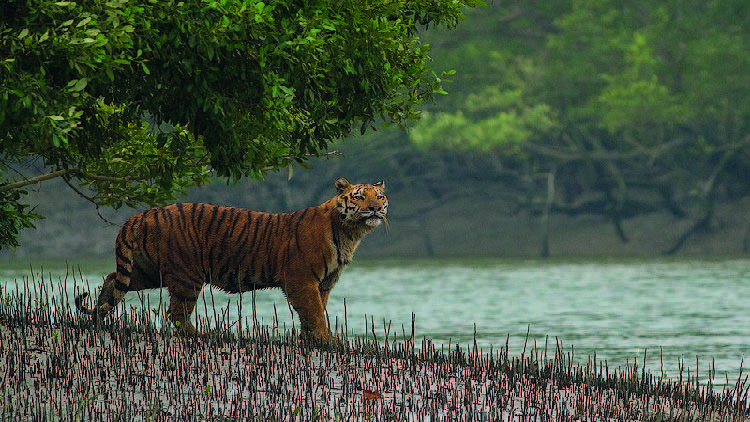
<point x="678" y="312"/>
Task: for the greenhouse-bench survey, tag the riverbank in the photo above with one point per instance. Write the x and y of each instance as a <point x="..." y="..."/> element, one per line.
<point x="476" y="221"/>
<point x="57" y="366"/>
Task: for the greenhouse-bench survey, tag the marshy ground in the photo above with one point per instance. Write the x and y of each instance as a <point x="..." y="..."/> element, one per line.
<point x="55" y="365"/>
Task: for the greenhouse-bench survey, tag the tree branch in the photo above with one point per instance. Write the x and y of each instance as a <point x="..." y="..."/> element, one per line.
<point x="110" y="179"/>
<point x="33" y="180"/>
<point x="59" y="173"/>
<point x="92" y="200"/>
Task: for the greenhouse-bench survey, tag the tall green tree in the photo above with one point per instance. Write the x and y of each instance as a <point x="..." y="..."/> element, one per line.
<point x="140" y="99"/>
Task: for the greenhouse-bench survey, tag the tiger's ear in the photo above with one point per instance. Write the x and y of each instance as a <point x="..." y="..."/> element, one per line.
<point x="342" y="185"/>
<point x="380" y="184"/>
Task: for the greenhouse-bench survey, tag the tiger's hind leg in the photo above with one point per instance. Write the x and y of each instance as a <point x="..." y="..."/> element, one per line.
<point x="182" y="299"/>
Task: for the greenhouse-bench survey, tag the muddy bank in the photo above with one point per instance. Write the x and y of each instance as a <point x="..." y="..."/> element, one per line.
<point x="63" y="372"/>
<point x="55" y="365"/>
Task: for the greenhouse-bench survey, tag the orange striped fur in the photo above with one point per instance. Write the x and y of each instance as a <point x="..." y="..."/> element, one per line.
<point x="184" y="246"/>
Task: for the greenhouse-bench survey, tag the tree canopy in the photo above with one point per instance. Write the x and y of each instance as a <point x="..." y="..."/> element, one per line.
<point x="609" y="97"/>
<point x="139" y="99"/>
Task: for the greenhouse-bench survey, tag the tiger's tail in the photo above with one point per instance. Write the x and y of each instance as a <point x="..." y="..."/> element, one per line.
<point x="81" y="307"/>
<point x="117" y="283"/>
<point x="105" y="303"/>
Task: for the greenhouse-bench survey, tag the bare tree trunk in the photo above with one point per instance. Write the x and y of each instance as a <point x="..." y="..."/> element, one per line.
<point x="545" y="215"/>
<point x="427" y="236"/>
<point x="703" y="223"/>
<point x="708" y="199"/>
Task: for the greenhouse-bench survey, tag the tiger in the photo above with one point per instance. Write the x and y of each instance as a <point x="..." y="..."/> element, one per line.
<point x="185" y="246"/>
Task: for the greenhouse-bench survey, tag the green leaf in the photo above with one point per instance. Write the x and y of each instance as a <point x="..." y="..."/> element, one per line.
<point x="349" y="67"/>
<point x="79" y="85"/>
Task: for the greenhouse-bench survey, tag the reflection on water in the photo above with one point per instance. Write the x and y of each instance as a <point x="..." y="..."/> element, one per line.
<point x="676" y="312"/>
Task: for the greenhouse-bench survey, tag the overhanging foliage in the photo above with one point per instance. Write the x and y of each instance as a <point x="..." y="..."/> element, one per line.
<point x="253" y="87"/>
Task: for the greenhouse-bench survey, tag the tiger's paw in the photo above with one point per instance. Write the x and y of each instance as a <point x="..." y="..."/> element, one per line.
<point x="326" y="341"/>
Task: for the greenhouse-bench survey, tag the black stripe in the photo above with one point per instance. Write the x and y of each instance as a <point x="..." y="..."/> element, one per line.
<point x="220" y="252"/>
<point x="120" y="257"/>
<point x="180" y="236"/>
<point x="170" y="245"/>
<point x="144" y="241"/>
<point x="198" y="213"/>
<point x="119" y="285"/>
<point x="191" y="232"/>
<point x="277" y="229"/>
<point x="272" y="259"/>
<point x="336" y="242"/>
<point x="167" y="214"/>
<point x="268" y="222"/>
<point x="153" y="255"/>
<point x="298" y="223"/>
<point x="260" y="220"/>
<point x="266" y="241"/>
<point x="125" y="236"/>
<point x="242" y="240"/>
<point x="121" y="270"/>
<point x="346" y="204"/>
<point x="213" y="218"/>
<point x="157" y="215"/>
<point x="219" y="235"/>
<point x="181" y="210"/>
<point x="210" y="242"/>
<point x="193" y="219"/>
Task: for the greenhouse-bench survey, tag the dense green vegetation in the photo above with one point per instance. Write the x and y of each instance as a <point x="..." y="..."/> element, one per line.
<point x="573" y="107"/>
<point x="602" y="107"/>
<point x="244" y="86"/>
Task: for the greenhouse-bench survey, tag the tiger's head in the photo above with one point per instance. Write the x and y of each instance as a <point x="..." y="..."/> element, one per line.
<point x="362" y="203"/>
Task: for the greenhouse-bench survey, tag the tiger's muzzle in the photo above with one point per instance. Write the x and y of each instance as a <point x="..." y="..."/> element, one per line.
<point x="374" y="216"/>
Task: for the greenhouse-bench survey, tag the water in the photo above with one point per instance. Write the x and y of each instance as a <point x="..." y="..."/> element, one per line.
<point x="690" y="314"/>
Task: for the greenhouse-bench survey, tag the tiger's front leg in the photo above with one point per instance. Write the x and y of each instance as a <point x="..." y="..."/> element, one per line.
<point x="307" y="301"/>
